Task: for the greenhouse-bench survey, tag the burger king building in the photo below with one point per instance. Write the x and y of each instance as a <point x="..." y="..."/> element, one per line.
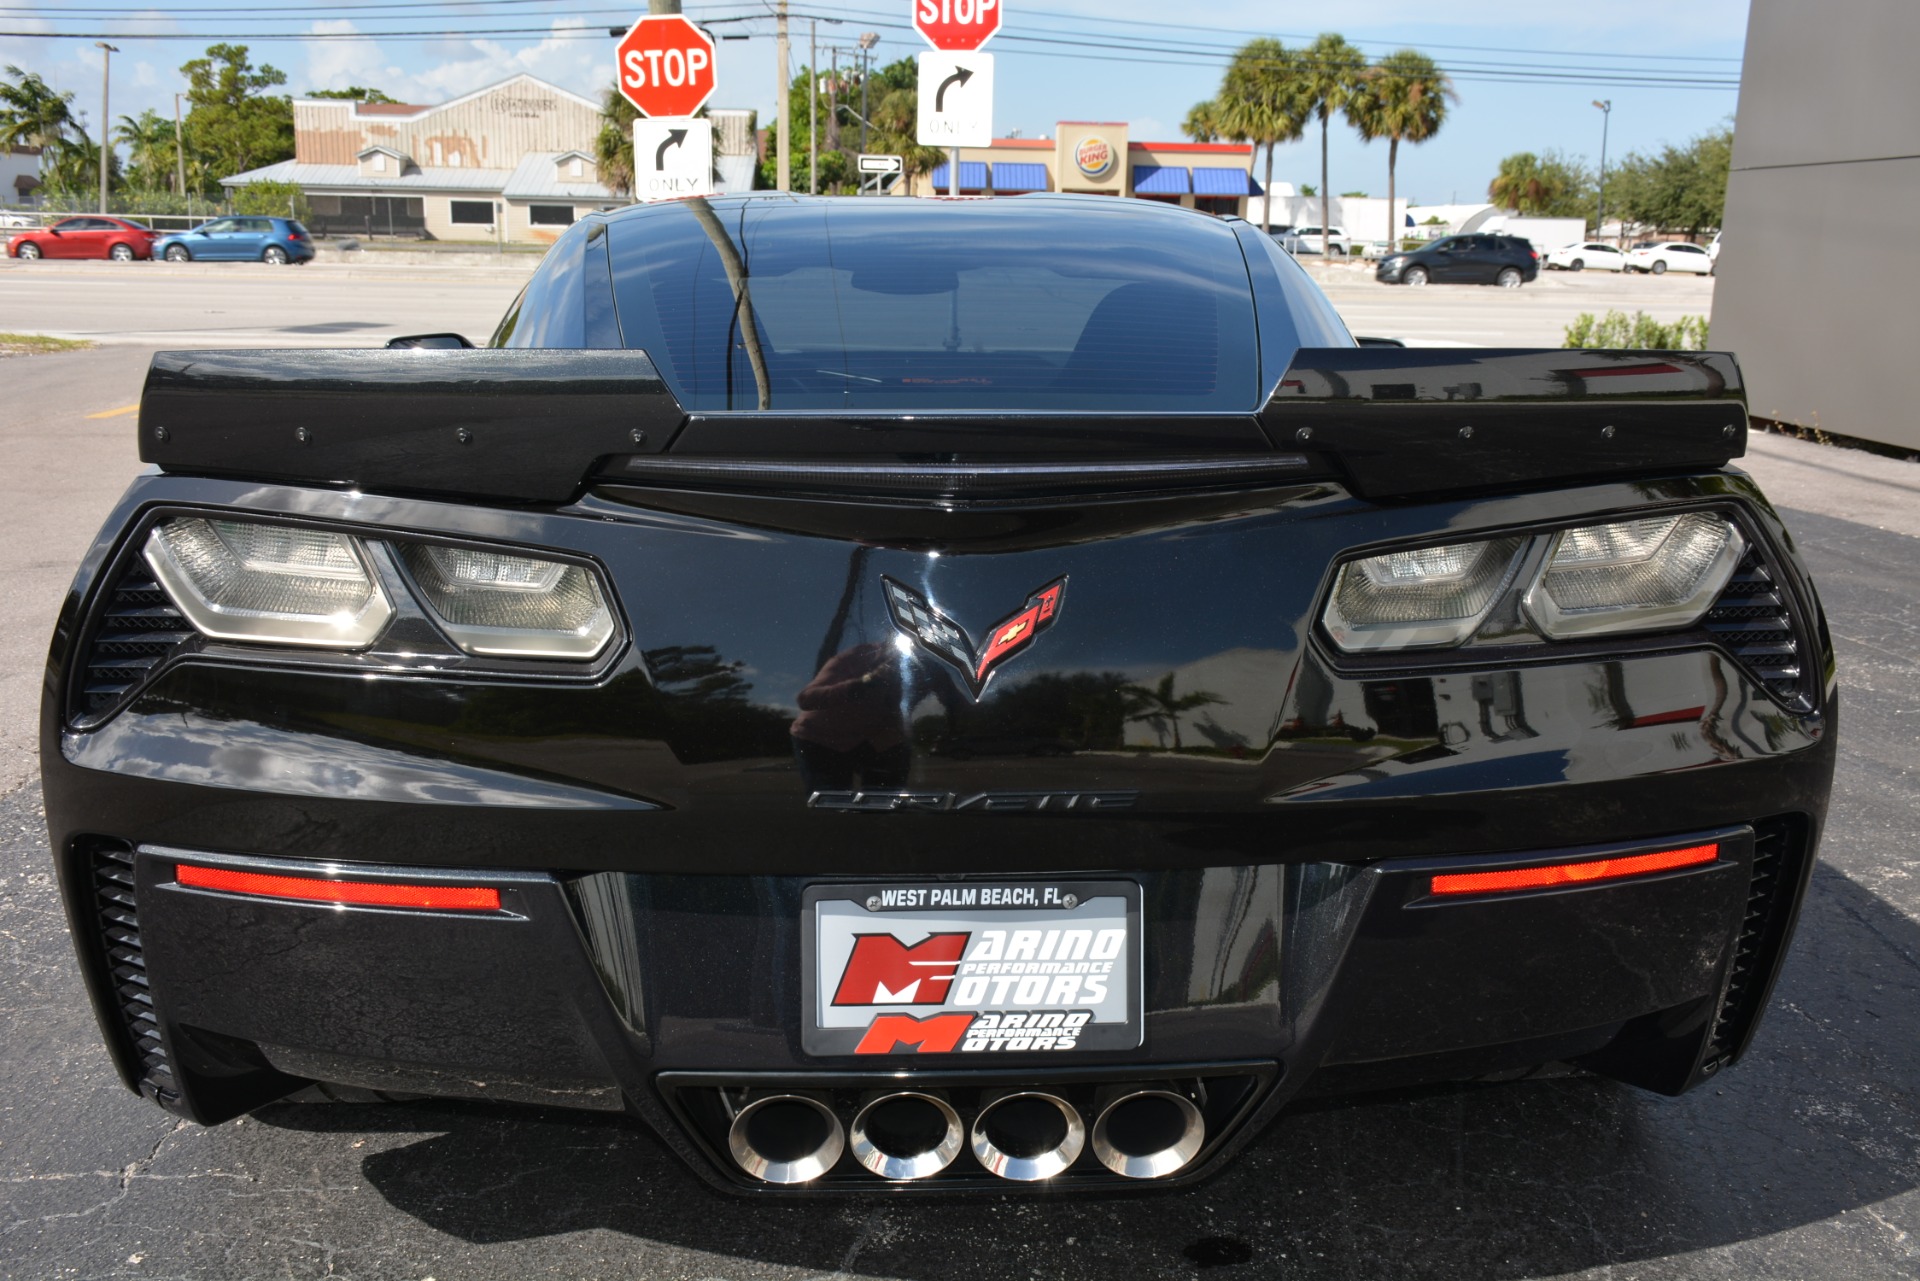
<point x="1098" y="158"/>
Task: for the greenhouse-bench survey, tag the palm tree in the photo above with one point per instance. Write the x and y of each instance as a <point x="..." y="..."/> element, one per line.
<point x="1524" y="184"/>
<point x="1161" y="708"/>
<point x="1203" y="122"/>
<point x="1330" y="71"/>
<point x="1402" y="98"/>
<point x="1260" y="102"/>
<point x="149" y="142"/>
<point x="32" y="114"/>
<point x="613" y="146"/>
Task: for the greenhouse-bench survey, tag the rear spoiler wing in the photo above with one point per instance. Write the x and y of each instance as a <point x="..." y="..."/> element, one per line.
<point x="538" y="426"/>
<point x="1403" y="422"/>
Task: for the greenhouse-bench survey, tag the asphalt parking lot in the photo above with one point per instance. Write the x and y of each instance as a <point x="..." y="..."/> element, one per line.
<point x="1803" y="1162"/>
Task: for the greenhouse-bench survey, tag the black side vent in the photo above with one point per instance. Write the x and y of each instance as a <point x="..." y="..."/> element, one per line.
<point x="136" y="629"/>
<point x="1779" y="857"/>
<point x="1754" y="621"/>
<point x="119" y="925"/>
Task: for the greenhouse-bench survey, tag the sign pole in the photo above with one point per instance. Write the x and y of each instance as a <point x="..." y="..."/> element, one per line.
<point x="953" y="172"/>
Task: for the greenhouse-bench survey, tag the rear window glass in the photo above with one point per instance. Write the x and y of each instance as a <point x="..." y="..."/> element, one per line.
<point x="990" y="305"/>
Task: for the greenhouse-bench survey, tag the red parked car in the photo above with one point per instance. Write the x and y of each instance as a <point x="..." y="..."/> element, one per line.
<point x="91" y="236"/>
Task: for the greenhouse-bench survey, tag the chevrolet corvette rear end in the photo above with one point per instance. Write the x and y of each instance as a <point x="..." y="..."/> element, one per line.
<point x="903" y="695"/>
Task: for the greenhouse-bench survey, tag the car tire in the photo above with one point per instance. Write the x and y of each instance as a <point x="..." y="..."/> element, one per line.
<point x="1578" y="264"/>
<point x="1659" y="268"/>
<point x="121" y="253"/>
<point x="1338" y="252"/>
<point x="275" y="256"/>
<point x="1509" y="278"/>
<point x="29" y="251"/>
<point x="178" y="253"/>
<point x="1415" y="276"/>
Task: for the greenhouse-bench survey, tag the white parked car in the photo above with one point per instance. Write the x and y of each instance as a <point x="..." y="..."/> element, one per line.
<point x="1588" y="254"/>
<point x="1670" y="256"/>
<point x="1313" y="242"/>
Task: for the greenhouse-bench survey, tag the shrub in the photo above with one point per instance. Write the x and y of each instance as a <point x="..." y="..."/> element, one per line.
<point x="1639" y="331"/>
<point x="280" y="199"/>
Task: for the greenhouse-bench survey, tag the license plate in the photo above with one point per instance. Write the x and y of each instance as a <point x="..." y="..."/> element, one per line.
<point x="971" y="967"/>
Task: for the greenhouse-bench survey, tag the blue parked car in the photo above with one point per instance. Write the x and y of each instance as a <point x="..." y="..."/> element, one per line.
<point x="241" y="239"/>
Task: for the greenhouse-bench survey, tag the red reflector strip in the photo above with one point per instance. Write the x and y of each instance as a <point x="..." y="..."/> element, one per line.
<point x="459" y="898"/>
<point x="1593" y="869"/>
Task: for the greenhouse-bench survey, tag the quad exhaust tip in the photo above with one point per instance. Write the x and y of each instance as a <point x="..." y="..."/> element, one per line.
<point x="909" y="1135"/>
<point x="1028" y="1135"/>
<point x="1147" y="1133"/>
<point x="786" y="1138"/>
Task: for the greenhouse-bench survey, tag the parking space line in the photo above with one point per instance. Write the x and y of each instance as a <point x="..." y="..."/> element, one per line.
<point x="115" y="413"/>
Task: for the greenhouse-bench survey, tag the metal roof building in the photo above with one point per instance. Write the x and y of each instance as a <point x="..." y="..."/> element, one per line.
<point x="512" y="162"/>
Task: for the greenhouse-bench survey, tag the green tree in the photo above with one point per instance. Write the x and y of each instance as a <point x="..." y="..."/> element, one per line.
<point x="235" y="124"/>
<point x="1681" y="189"/>
<point x="150" y="151"/>
<point x="71" y="172"/>
<point x="1161" y="708"/>
<point x="34" y="114"/>
<point x="613" y="145"/>
<point x="1203" y="122"/>
<point x="353" y="93"/>
<point x="893" y="95"/>
<point x="1402" y="98"/>
<point x="280" y="199"/>
<point x="1550" y="186"/>
<point x="1331" y="70"/>
<point x="1260" y="102"/>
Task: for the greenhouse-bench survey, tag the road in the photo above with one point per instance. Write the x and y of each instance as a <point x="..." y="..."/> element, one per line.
<point x="330" y="304"/>
<point x="1802" y="1163"/>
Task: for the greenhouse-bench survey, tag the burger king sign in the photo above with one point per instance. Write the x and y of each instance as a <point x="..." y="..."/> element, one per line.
<point x="1095" y="157"/>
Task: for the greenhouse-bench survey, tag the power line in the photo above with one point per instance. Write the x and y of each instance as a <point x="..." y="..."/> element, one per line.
<point x="1116" y="48"/>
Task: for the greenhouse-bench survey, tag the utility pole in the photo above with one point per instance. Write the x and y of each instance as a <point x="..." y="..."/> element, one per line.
<point x="833" y="98"/>
<point x="1606" y="118"/>
<point x="106" y="117"/>
<point x="813" y="107"/>
<point x="179" y="146"/>
<point x="784" y="169"/>
<point x="868" y="39"/>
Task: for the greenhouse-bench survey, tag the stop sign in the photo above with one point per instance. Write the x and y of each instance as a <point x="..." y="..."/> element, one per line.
<point x="665" y="66"/>
<point x="956" y="25"/>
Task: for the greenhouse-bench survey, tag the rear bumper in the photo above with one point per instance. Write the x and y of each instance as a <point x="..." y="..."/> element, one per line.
<point x="657" y="993"/>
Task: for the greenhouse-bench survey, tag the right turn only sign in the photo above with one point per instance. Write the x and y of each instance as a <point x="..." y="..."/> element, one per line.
<point x="956" y="99"/>
<point x="672" y="157"/>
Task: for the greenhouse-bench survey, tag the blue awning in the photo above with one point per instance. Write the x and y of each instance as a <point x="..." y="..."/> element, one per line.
<point x="1158" y="180"/>
<point x="1210" y="181"/>
<point x="973" y="177"/>
<point x="1016" y="177"/>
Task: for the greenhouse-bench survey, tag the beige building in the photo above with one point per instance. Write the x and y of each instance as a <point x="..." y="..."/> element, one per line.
<point x="512" y="162"/>
<point x="1098" y="157"/>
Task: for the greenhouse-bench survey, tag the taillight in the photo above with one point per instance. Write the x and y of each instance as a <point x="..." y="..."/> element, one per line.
<point x="294" y="235"/>
<point x="432" y="898"/>
<point x="1581" y="873"/>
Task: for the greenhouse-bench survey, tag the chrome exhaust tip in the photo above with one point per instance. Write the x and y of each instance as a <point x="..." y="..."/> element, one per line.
<point x="1028" y="1135"/>
<point x="909" y="1135"/>
<point x="786" y="1138"/>
<point x="1147" y="1133"/>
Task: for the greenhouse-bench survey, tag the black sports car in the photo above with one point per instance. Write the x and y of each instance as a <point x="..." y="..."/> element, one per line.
<point x="916" y="695"/>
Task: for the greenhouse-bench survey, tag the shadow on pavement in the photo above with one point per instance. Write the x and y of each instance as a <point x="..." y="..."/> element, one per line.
<point x="1546" y="1177"/>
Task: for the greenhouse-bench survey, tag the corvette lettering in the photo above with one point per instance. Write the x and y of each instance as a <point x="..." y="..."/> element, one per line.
<point x="994" y="802"/>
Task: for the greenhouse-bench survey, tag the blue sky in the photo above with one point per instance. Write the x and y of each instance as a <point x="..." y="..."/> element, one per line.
<point x="1526" y="74"/>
